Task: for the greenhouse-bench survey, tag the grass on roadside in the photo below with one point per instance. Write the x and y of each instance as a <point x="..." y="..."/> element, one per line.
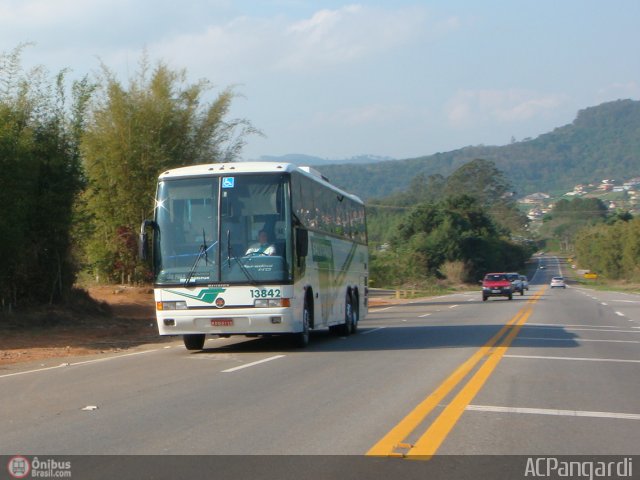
<point x="609" y="285"/>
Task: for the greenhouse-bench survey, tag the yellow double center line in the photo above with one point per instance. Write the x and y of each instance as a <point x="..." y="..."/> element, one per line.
<point x="395" y="442"/>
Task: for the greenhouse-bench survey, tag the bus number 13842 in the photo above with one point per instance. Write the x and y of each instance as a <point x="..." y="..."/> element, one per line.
<point x="264" y="293"/>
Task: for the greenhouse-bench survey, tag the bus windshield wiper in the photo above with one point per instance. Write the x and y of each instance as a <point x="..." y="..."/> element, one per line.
<point x="201" y="253"/>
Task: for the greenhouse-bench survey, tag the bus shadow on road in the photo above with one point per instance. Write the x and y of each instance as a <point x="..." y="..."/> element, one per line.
<point x="403" y="338"/>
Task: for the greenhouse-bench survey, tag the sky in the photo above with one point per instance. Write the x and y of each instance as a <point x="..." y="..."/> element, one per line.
<point x="336" y="79"/>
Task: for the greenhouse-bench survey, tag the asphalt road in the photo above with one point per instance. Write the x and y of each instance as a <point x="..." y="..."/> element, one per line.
<point x="553" y="372"/>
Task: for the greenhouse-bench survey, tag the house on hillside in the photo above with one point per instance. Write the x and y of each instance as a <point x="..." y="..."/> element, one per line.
<point x="578" y="190"/>
<point x="632" y="184"/>
<point x="606" y="185"/>
<point x="535" y="214"/>
<point x="535" y="198"/>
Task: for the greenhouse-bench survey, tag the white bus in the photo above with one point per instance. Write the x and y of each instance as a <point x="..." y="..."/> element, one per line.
<point x="207" y="217"/>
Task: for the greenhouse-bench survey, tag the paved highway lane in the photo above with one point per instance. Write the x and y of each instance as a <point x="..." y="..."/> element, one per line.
<point x="551" y="372"/>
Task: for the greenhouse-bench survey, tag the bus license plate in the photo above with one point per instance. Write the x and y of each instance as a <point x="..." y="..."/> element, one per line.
<point x="222" y="322"/>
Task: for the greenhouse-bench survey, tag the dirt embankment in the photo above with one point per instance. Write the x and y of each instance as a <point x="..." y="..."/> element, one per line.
<point x="127" y="321"/>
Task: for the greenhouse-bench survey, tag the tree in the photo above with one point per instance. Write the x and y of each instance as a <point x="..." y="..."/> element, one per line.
<point x="611" y="250"/>
<point x="631" y="250"/>
<point x="466" y="220"/>
<point x="482" y="180"/>
<point x="479" y="179"/>
<point x="568" y="217"/>
<point x="457" y="229"/>
<point x="157" y="122"/>
<point x="40" y="179"/>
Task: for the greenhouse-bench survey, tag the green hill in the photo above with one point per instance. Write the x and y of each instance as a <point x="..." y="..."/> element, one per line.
<point x="602" y="142"/>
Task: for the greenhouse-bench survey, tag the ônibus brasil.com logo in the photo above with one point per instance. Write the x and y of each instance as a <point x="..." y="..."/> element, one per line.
<point x="20" y="467"/>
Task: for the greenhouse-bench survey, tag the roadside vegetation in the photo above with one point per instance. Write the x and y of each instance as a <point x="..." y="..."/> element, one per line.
<point x="79" y="162"/>
<point x="448" y="231"/>
<point x="598" y="240"/>
<point x="612" y="250"/>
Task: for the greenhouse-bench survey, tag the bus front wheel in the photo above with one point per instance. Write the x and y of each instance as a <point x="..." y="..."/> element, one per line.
<point x="194" y="341"/>
<point x="301" y="339"/>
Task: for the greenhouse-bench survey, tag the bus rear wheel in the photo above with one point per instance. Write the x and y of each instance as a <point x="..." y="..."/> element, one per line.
<point x="347" y="327"/>
<point x="355" y="315"/>
<point x="193" y="341"/>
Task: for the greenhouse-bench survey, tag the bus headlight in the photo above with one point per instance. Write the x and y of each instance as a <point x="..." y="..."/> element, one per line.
<point x="181" y="305"/>
<point x="271" y="302"/>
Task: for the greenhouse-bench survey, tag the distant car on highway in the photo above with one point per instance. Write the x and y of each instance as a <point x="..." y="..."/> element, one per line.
<point x="557" y="282"/>
<point x="525" y="282"/>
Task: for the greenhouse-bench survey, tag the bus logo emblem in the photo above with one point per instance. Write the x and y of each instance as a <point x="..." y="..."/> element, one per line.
<point x="207" y="295"/>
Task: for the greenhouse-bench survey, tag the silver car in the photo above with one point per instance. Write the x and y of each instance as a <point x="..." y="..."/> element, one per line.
<point x="557" y="282"/>
<point x="516" y="282"/>
<point x="525" y="282"/>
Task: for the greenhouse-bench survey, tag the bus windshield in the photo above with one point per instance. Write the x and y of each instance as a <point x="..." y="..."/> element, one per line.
<point x="223" y="229"/>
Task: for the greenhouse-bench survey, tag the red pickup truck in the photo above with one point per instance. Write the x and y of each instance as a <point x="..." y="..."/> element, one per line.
<point x="496" y="285"/>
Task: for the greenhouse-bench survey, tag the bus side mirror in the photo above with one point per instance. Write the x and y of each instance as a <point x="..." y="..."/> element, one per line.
<point x="302" y="242"/>
<point x="143" y="246"/>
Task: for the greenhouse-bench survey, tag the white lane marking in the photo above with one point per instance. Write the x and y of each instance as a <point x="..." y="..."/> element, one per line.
<point x="584" y="330"/>
<point x="620" y="314"/>
<point x="603" y="303"/>
<point x="86" y="362"/>
<point x="380" y="309"/>
<point x="425" y="315"/>
<point x="377" y="329"/>
<point x="625" y="301"/>
<point x="564" y="325"/>
<point x="247" y="365"/>
<point x="453" y="306"/>
<point x="551" y="411"/>
<point x="577" y="359"/>
<point x="576" y="340"/>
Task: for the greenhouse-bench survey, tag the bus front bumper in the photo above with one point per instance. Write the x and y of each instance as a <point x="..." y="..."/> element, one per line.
<point x="254" y="321"/>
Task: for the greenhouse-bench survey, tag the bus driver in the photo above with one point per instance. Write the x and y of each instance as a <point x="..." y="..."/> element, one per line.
<point x="263" y="247"/>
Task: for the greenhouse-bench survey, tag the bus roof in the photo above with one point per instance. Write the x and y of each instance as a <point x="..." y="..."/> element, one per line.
<point x="250" y="167"/>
